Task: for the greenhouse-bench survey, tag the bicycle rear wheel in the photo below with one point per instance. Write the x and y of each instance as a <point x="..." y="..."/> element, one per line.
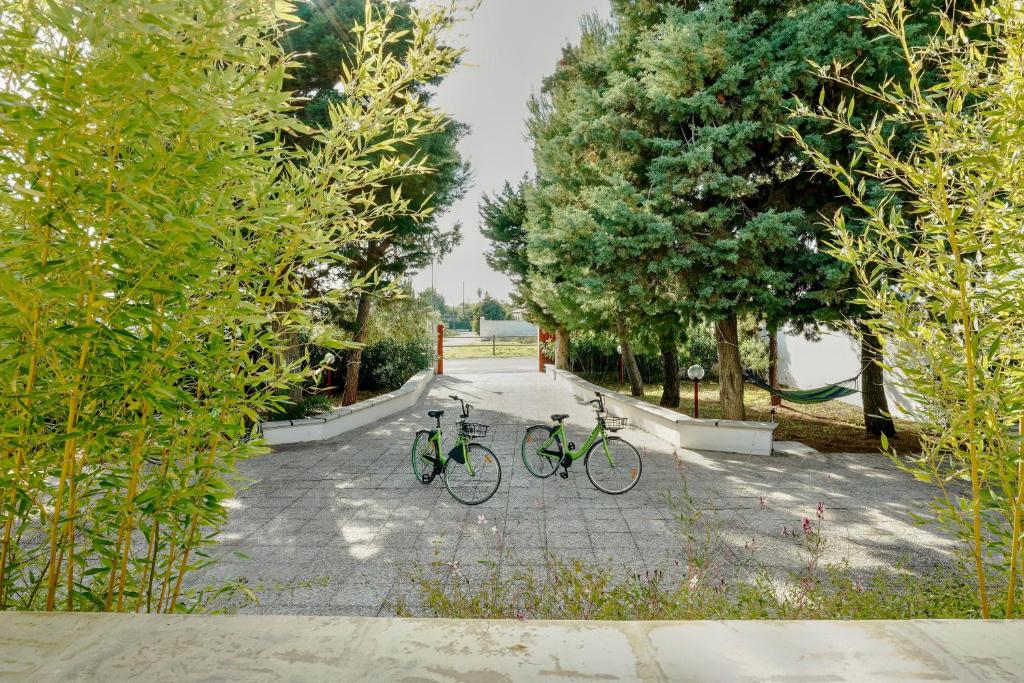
<point x="538" y="464"/>
<point x="424" y="459"/>
<point x="478" y="487"/>
<point x="616" y="470"/>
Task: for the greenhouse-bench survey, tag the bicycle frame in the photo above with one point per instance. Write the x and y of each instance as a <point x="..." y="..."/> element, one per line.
<point x="559" y="436"/>
<point x="459" y="451"/>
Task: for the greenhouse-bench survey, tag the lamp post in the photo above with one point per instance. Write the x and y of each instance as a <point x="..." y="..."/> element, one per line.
<point x="622" y="368"/>
<point x="695" y="373"/>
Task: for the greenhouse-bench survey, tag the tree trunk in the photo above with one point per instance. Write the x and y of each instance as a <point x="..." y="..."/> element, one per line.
<point x="355" y="355"/>
<point x="290" y="353"/>
<point x="730" y="369"/>
<point x="773" y="362"/>
<point x="636" y="382"/>
<point x="670" y="367"/>
<point x="877" y="420"/>
<point x="562" y="349"/>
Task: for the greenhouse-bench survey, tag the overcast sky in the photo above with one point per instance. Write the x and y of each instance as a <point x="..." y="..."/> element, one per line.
<point x="513" y="45"/>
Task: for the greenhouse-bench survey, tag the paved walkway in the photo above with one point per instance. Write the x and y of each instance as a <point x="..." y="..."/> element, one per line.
<point x="336" y="527"/>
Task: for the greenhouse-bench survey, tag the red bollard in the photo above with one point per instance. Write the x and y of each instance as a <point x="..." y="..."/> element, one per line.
<point x="440" y="349"/>
<point x="542" y="337"/>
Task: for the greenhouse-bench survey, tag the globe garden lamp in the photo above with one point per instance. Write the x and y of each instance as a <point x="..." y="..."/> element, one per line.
<point x="696" y="374"/>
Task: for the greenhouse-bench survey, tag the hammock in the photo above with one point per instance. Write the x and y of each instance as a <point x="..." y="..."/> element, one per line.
<point x="805" y="396"/>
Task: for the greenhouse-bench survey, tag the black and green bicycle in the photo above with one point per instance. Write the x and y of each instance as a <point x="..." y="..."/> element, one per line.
<point x="470" y="471"/>
<point x="613" y="464"/>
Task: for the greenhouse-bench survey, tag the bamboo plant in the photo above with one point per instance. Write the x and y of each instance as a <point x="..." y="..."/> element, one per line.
<point x="938" y="249"/>
<point x="153" y="235"/>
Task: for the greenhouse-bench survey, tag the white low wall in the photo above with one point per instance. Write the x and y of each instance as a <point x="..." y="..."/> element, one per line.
<point x="348" y="418"/>
<point x="682" y="431"/>
<point x="62" y="647"/>
<point x="833" y="357"/>
<point x="507" y="328"/>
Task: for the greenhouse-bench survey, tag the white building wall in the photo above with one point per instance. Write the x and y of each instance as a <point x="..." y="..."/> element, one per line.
<point x="834" y="357"/>
<point x="507" y="328"/>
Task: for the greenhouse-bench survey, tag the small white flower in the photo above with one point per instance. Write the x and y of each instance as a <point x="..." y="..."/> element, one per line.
<point x="481" y="520"/>
<point x="494" y="529"/>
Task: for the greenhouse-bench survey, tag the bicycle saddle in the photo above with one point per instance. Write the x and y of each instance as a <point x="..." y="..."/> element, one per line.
<point x="435" y="413"/>
<point x="559" y="418"/>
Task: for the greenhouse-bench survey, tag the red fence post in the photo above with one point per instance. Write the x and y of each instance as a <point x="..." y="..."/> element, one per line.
<point x="543" y="337"/>
<point x="440" y="349"/>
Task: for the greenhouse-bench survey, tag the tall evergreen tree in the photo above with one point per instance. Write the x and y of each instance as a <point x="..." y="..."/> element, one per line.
<point x="400" y="244"/>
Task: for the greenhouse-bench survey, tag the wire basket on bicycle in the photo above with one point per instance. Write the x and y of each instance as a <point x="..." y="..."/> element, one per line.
<point x="474" y="429"/>
<point x="614" y="424"/>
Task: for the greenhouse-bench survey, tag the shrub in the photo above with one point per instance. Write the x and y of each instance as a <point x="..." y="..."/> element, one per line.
<point x="310" y="407"/>
<point x="387" y="365"/>
<point x="595" y="355"/>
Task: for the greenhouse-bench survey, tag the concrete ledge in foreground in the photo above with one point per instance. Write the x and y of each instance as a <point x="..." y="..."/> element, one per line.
<point x="109" y="647"/>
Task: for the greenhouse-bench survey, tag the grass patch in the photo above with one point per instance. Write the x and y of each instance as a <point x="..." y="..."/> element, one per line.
<point x="833" y="427"/>
<point x="501" y="350"/>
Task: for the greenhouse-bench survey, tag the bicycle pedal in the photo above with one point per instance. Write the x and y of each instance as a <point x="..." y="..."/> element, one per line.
<point x="564" y="474"/>
<point x="426" y="478"/>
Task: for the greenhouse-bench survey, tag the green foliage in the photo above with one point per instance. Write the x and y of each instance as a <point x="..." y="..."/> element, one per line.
<point x="328" y="40"/>
<point x="503" y="222"/>
<point x="309" y="407"/>
<point x="403" y="319"/>
<point x="154" y="231"/>
<point x="596" y="355"/>
<point x="666" y="191"/>
<point x="938" y="253"/>
<point x="574" y="590"/>
<point x="389" y="364"/>
<point x="489" y="308"/>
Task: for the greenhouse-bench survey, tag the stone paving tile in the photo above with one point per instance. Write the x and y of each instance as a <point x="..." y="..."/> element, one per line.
<point x="339" y="527"/>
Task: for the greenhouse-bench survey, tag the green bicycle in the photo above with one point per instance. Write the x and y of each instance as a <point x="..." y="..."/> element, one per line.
<point x="613" y="464"/>
<point x="470" y="471"/>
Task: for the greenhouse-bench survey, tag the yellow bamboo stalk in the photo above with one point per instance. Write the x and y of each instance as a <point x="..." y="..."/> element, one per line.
<point x="19" y="459"/>
<point x="967" y="320"/>
<point x="166" y="581"/>
<point x="147" y="574"/>
<point x="191" y="535"/>
<point x="129" y="527"/>
<point x="189" y="542"/>
<point x="70" y="444"/>
<point x="51" y="585"/>
<point x="112" y="580"/>
<point x="1011" y="589"/>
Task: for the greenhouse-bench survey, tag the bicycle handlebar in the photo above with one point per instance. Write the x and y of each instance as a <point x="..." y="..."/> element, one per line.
<point x="466" y="407"/>
<point x="599" y="401"/>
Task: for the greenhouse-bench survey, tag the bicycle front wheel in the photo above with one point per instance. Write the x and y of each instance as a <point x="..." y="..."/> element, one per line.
<point x="475" y="481"/>
<point x="537" y="463"/>
<point x="613" y="465"/>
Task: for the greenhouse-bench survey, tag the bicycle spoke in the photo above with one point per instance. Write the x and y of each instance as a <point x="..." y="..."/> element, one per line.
<point x="424" y="460"/>
<point x="537" y="439"/>
<point x="613" y="465"/>
<point x="479" y="481"/>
